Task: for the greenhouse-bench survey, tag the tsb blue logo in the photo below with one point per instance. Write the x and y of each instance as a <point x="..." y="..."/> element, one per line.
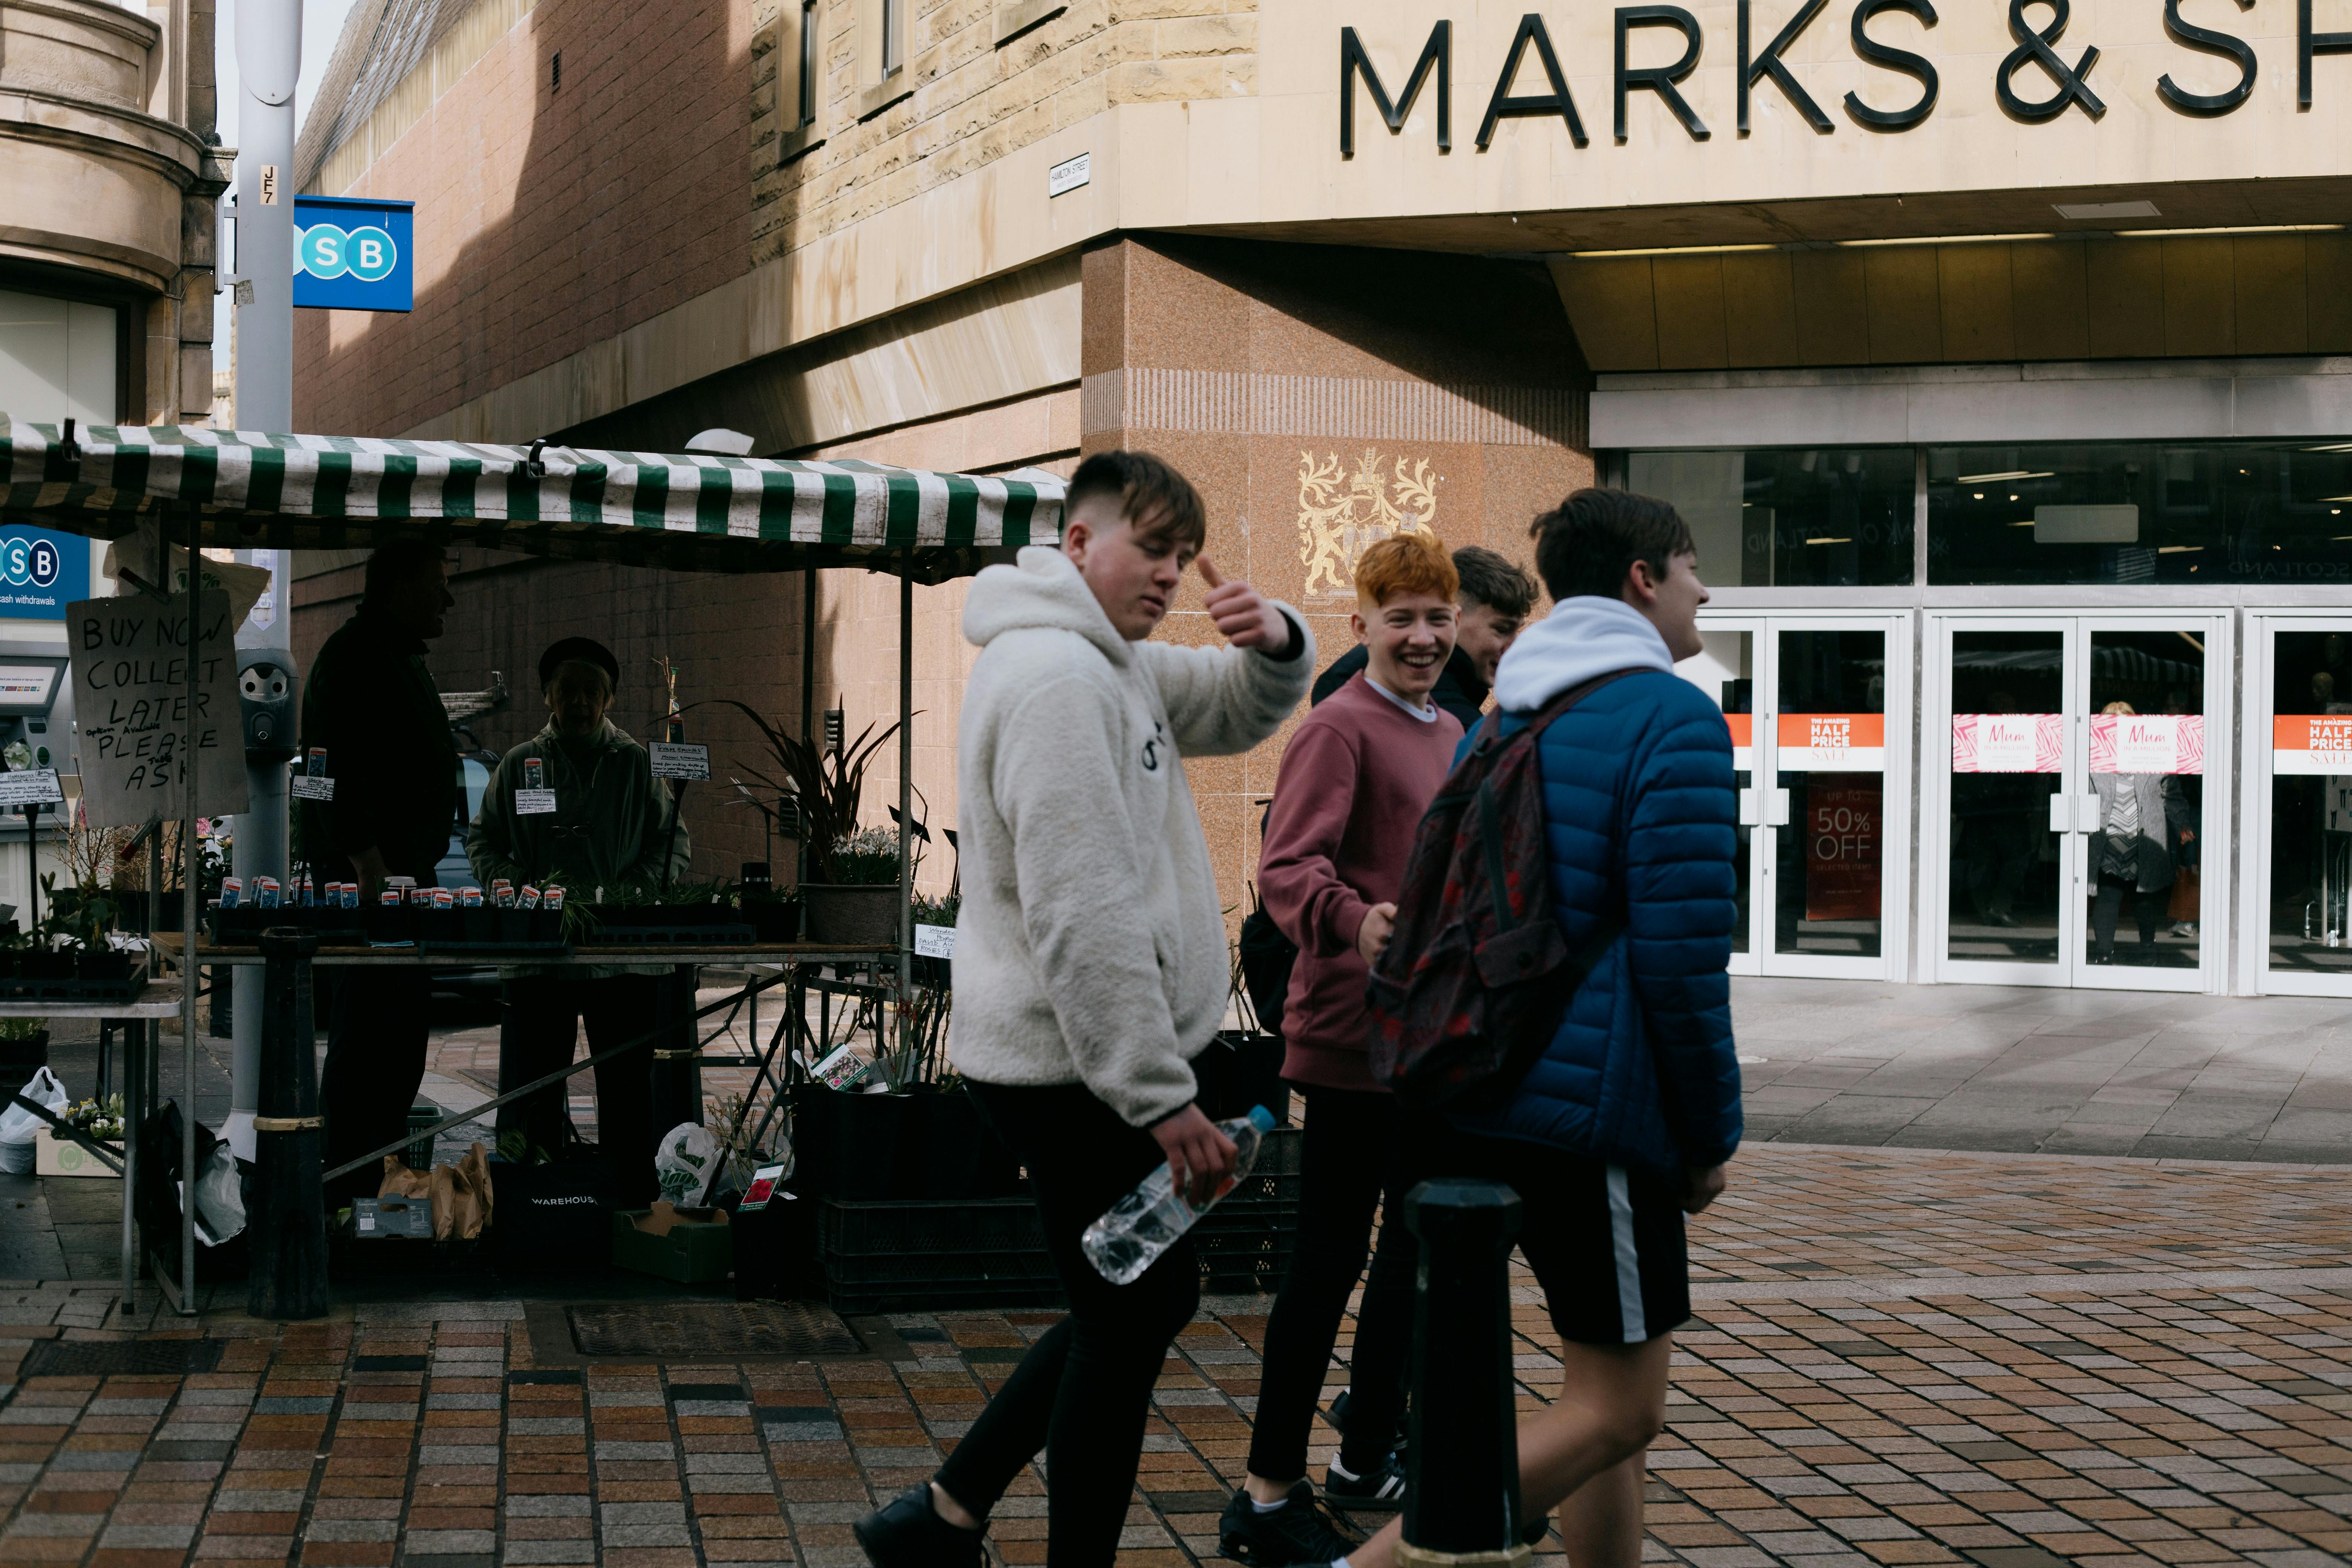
<point x="29" y="563"/>
<point x="327" y="251"/>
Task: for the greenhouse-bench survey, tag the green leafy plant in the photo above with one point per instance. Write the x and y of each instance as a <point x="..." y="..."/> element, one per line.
<point x="22" y="1028"/>
<point x="930" y="911"/>
<point x="828" y="785"/>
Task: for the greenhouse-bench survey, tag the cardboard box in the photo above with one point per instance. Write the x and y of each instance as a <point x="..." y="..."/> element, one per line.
<point x="693" y="1246"/>
<point x="56" y="1156"/>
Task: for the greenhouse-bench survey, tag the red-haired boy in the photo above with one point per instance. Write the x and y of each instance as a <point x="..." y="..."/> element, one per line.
<point x="1356" y="778"/>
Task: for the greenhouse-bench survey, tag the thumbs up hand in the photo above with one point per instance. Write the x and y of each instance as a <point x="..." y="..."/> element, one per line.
<point x="1242" y="616"/>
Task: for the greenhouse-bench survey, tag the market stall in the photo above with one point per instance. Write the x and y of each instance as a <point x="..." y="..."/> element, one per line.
<point x="194" y="486"/>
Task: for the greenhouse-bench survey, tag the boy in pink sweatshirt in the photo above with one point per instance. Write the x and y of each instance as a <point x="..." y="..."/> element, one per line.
<point x="1356" y="778"/>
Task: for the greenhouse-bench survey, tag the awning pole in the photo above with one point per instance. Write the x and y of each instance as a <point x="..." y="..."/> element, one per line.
<point x="808" y="697"/>
<point x="906" y="801"/>
<point x="190" y="862"/>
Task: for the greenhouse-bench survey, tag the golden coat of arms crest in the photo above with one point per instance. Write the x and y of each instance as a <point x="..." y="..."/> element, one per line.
<point x="1342" y="514"/>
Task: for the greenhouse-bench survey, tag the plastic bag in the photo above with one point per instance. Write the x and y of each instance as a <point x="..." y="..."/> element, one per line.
<point x="18" y="1125"/>
<point x="683" y="1160"/>
<point x="220" y="1198"/>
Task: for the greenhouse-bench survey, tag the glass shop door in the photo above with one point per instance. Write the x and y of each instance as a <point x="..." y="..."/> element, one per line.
<point x="2297" y="874"/>
<point x="1820" y="711"/>
<point x="2070" y="810"/>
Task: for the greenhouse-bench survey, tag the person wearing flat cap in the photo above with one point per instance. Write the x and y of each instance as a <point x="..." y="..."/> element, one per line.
<point x="612" y="828"/>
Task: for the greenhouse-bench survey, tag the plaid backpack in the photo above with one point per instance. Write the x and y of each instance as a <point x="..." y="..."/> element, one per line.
<point x="1477" y="973"/>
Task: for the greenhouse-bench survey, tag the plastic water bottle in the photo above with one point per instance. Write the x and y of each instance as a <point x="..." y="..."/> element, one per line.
<point x="1137" y="1229"/>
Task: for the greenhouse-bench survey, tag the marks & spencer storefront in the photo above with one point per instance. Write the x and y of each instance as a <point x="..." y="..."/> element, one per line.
<point x="1996" y="357"/>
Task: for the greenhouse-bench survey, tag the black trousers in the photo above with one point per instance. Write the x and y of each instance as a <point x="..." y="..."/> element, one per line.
<point x="540" y="1033"/>
<point x="1083" y="1391"/>
<point x="2108" y="908"/>
<point x="1355" y="1157"/>
<point x="376" y="1064"/>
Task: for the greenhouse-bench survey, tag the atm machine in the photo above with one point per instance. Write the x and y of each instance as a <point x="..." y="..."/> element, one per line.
<point x="36" y="714"/>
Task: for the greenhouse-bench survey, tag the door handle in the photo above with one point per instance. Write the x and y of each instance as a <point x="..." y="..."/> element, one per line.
<point x="2061" y="813"/>
<point x="2087" y="813"/>
<point x="1749" y="816"/>
<point x="1777" y="809"/>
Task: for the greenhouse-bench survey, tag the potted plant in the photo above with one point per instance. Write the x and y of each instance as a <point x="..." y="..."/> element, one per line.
<point x="846" y="891"/>
<point x="859" y="903"/>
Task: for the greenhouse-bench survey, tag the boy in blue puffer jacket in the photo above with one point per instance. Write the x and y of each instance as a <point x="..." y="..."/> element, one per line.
<point x="1624" y="1125"/>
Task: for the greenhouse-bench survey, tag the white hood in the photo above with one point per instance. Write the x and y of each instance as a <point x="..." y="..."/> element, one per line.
<point x="1044" y="591"/>
<point x="1583" y="638"/>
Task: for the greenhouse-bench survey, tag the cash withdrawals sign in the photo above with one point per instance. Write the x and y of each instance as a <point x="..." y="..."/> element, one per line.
<point x="130" y="658"/>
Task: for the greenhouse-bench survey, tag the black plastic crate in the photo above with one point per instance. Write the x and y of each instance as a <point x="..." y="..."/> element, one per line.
<point x="927" y="1255"/>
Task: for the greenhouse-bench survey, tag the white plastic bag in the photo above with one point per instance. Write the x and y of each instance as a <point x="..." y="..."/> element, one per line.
<point x="220" y="1198"/>
<point x="18" y="1125"/>
<point x="682" y="1163"/>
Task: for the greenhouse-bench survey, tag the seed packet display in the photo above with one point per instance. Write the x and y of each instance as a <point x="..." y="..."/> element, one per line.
<point x="390" y="898"/>
<point x="264" y="892"/>
<point x="469" y="898"/>
<point x="531" y="896"/>
<point x="534" y="773"/>
<point x="443" y="898"/>
<point x="309" y="894"/>
<point x="232" y="893"/>
<point x="552" y="900"/>
<point x="502" y="892"/>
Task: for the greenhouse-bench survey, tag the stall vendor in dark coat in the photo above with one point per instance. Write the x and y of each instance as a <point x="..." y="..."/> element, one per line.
<point x="614" y="832"/>
<point x="371" y="704"/>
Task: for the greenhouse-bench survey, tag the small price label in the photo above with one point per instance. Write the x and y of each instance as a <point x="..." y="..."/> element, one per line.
<point x="310" y="787"/>
<point x="935" y="942"/>
<point x="677" y="760"/>
<point x="534" y="802"/>
<point x="31" y="786"/>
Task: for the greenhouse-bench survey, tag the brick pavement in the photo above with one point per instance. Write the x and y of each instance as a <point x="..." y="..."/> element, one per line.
<point x="1901" y="1357"/>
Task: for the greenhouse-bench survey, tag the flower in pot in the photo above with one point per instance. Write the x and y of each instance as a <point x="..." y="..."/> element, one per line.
<point x="858" y="906"/>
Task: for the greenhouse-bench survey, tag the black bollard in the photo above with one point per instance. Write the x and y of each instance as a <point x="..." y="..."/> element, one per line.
<point x="1462" y="1493"/>
<point x="287" y="1275"/>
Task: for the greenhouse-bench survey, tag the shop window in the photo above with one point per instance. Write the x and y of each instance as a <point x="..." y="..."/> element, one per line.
<point x="2276" y="512"/>
<point x="882" y="50"/>
<point x="1804" y="518"/>
<point x="58" y="358"/>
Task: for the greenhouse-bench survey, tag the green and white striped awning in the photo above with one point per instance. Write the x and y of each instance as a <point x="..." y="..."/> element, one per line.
<point x="649" y="508"/>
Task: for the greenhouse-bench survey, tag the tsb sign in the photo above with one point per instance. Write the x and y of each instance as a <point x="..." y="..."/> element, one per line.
<point x="353" y="254"/>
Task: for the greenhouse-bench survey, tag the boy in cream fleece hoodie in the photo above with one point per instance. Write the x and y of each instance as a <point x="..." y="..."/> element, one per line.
<point x="1091" y="965"/>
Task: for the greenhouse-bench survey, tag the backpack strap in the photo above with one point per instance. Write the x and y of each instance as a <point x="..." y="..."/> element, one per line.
<point x="1490" y="829"/>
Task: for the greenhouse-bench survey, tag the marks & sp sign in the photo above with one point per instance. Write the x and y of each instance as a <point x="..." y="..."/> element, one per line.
<point x="2034" y="82"/>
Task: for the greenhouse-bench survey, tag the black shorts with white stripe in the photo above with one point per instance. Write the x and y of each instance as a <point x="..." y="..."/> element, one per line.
<point x="1605" y="1242"/>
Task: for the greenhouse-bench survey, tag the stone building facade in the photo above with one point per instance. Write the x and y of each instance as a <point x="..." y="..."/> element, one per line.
<point x="1937" y="328"/>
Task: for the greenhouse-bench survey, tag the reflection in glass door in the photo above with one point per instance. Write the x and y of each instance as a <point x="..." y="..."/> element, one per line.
<point x="2006" y="694"/>
<point x="2144" y="846"/>
<point x="1829" y="757"/>
<point x="2074" y="810"/>
<point x="2298" y="765"/>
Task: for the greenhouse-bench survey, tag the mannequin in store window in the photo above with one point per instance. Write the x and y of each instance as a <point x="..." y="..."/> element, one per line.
<point x="2130" y="854"/>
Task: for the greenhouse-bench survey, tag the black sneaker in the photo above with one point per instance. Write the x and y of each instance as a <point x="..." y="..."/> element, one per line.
<point x="1337" y="1415"/>
<point x="1302" y="1531"/>
<point x="1382" y="1486"/>
<point x="907" y="1532"/>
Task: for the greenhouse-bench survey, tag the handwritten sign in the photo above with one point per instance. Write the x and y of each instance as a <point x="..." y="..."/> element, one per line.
<point x="130" y="662"/>
<point x="534" y="802"/>
<point x="31" y="786"/>
<point x="935" y="942"/>
<point x="308" y="786"/>
<point x="677" y="760"/>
